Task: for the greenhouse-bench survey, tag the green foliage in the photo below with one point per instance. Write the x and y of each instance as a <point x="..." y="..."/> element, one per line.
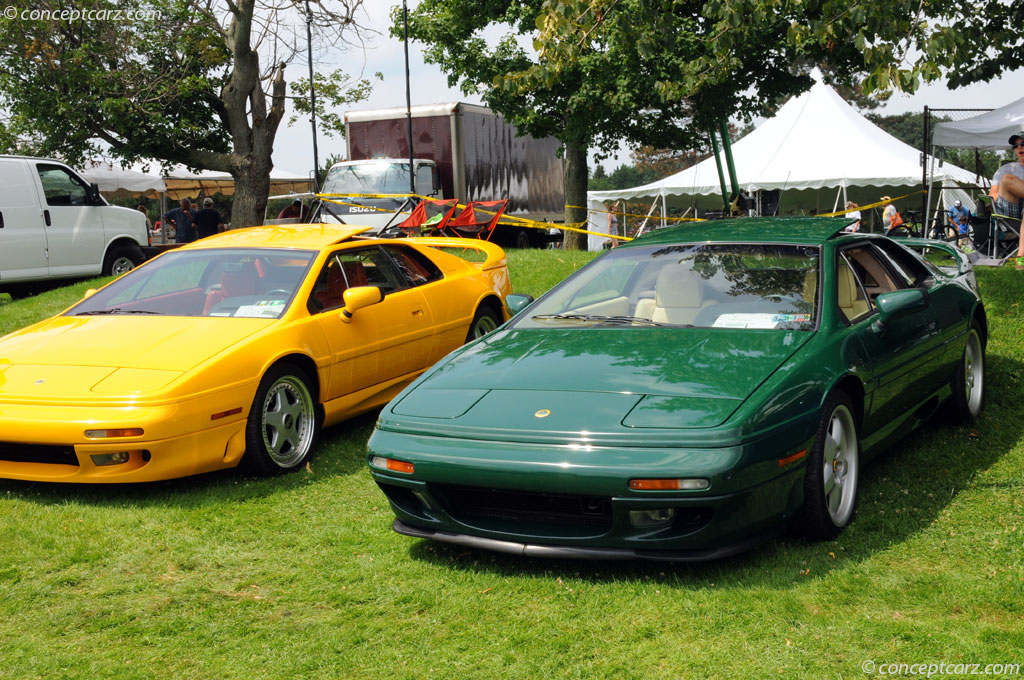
<point x="622" y="177"/>
<point x="147" y="87"/>
<point x="333" y="89"/>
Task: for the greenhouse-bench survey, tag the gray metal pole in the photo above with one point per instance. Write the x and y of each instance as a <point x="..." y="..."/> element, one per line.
<point x="408" y="100"/>
<point x="312" y="97"/>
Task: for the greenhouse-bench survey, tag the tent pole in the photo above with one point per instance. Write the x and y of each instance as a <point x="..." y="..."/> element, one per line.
<point x="727" y="145"/>
<point x="664" y="210"/>
<point x="721" y="174"/>
<point x="924" y="166"/>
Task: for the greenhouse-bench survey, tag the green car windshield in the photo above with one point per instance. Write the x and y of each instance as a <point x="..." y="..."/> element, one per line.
<point x="762" y="286"/>
<point x="225" y="282"/>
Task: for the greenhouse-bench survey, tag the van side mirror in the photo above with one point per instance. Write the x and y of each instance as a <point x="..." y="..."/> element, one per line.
<point x="359" y="297"/>
<point x="436" y="176"/>
<point x="94" y="194"/>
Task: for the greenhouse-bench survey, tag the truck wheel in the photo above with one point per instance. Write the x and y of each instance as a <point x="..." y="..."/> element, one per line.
<point x="522" y="240"/>
<point x="121" y="260"/>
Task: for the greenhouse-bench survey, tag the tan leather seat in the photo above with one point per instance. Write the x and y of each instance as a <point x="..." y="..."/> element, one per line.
<point x="678" y="296"/>
<point x="851" y="298"/>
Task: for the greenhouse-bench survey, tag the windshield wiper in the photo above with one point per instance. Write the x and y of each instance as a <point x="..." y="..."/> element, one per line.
<point x="114" y="310"/>
<point x="598" y="318"/>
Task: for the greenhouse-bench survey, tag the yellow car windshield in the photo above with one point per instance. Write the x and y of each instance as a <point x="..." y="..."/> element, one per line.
<point x="222" y="282"/>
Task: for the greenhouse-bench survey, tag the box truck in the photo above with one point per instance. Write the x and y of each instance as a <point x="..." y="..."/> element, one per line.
<point x="54" y="225"/>
<point x="461" y="151"/>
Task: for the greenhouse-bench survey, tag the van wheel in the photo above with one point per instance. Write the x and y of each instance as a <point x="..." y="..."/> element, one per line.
<point x="121" y="260"/>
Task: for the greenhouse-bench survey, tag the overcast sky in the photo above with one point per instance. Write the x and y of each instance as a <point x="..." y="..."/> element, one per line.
<point x="294" y="151"/>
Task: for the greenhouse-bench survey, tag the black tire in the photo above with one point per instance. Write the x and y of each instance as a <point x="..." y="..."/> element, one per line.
<point x="522" y="241"/>
<point x="20" y="293"/>
<point x="284" y="422"/>
<point x="484" y="321"/>
<point x="968" y="383"/>
<point x="832" y="476"/>
<point x="121" y="260"/>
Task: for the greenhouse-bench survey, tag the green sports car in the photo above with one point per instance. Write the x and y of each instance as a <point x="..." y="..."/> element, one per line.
<point x="685" y="396"/>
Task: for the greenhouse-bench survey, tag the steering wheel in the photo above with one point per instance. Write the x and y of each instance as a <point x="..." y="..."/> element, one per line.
<point x="279" y="292"/>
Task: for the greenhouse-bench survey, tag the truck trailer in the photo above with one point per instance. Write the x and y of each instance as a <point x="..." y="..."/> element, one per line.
<point x="461" y="151"/>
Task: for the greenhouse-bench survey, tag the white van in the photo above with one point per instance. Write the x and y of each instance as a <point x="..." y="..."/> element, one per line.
<point x="55" y="225"/>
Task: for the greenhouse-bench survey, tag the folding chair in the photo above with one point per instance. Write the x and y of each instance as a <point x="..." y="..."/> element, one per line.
<point x="425" y="214"/>
<point x="469" y="225"/>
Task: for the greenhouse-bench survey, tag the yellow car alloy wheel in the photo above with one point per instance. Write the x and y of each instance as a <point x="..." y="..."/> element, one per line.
<point x="283" y="421"/>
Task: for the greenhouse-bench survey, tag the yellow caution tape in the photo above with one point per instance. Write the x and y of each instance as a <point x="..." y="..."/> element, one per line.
<point x="870" y="205"/>
<point x="653" y="217"/>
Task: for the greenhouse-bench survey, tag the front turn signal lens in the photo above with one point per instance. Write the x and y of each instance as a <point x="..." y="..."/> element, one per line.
<point x="668" y="484"/>
<point x="392" y="464"/>
<point x="111" y="434"/>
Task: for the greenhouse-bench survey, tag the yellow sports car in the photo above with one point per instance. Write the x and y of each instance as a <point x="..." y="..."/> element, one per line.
<point x="236" y="349"/>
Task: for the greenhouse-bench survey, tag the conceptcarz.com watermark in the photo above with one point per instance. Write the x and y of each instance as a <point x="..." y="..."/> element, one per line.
<point x="72" y="15"/>
<point x="870" y="666"/>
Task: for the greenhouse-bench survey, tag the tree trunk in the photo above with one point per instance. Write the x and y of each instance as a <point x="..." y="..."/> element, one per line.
<point x="252" y="187"/>
<point x="575" y="195"/>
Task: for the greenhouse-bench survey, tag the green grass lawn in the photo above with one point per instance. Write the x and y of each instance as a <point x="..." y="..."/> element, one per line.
<point x="222" y="576"/>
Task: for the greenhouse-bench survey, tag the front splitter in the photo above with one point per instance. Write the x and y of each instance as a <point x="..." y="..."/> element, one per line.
<point x="578" y="553"/>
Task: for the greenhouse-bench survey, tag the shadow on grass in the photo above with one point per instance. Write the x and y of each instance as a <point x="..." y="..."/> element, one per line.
<point x="902" y="493"/>
<point x="341" y="451"/>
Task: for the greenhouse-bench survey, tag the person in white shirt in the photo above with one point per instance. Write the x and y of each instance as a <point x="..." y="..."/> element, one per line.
<point x="852" y="213"/>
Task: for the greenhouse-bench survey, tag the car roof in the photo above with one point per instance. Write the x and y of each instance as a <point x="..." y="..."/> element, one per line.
<point x="303" y="236"/>
<point x="801" y="230"/>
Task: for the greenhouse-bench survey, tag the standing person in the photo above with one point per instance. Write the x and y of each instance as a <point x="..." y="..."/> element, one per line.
<point x="142" y="209"/>
<point x="890" y="217"/>
<point x="293" y="211"/>
<point x="208" y="220"/>
<point x="183" y="218"/>
<point x="852" y="213"/>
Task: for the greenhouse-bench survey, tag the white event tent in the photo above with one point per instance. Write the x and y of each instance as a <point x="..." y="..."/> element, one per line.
<point x="989" y="130"/>
<point x="816" y="141"/>
<point x="178" y="182"/>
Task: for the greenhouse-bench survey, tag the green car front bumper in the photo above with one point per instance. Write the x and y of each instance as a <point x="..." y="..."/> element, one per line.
<point x="568" y="502"/>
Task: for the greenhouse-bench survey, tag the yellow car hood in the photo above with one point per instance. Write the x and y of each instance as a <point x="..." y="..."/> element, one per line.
<point x="73" y="356"/>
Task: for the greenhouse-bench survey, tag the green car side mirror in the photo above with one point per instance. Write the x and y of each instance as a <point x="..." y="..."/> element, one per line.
<point x="359" y="297"/>
<point x="897" y="304"/>
<point x="517" y="303"/>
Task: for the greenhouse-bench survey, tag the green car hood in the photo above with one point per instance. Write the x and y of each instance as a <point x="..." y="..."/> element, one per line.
<point x="597" y="380"/>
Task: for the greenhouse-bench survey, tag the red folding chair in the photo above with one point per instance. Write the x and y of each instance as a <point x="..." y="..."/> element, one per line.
<point x="425" y="210"/>
<point x="468" y="224"/>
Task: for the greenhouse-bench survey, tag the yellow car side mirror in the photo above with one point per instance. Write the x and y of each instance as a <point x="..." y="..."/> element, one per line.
<point x="89" y="293"/>
<point x="359" y="297"/>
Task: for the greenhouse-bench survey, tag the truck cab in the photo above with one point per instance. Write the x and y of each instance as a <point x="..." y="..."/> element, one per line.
<point x="375" y="177"/>
<point x="55" y="225"/>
